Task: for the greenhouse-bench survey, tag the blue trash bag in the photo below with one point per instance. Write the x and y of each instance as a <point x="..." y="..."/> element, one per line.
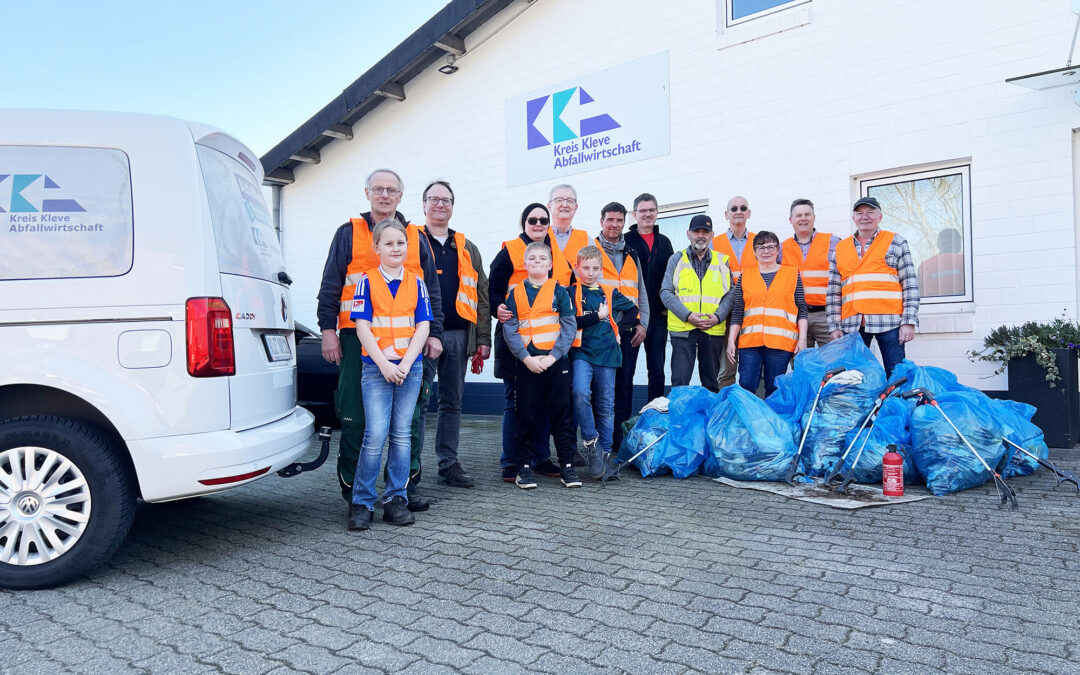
<point x="937" y="380"/>
<point x="941" y="457"/>
<point x="890" y="427"/>
<point x="650" y="425"/>
<point x="747" y="440"/>
<point x="1015" y="420"/>
<point x="795" y="391"/>
<point x="840" y="410"/>
<point x="686" y="445"/>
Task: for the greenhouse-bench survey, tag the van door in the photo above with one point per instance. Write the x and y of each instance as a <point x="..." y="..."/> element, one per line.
<point x="252" y="271"/>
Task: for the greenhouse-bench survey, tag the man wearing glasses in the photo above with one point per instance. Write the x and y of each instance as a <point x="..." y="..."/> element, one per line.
<point x="653" y="250"/>
<point x="350" y="256"/>
<point x="463" y="286"/>
<point x="735" y="243"/>
<point x="872" y="286"/>
<point x="810" y="252"/>
<point x="563" y="204"/>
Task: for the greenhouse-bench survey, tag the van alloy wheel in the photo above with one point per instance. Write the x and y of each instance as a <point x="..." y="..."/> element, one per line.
<point x="44" y="505"/>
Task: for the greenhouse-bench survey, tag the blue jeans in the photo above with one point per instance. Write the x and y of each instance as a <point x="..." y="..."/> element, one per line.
<point x="388" y="409"/>
<point x="510" y="430"/>
<point x="751" y="362"/>
<point x="594" y="386"/>
<point x="892" y="352"/>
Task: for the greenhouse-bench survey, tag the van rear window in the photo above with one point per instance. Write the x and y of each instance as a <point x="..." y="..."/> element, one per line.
<point x="246" y="242"/>
<point x="64" y="212"/>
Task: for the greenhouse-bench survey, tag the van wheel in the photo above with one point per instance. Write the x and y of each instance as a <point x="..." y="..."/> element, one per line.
<point x="65" y="500"/>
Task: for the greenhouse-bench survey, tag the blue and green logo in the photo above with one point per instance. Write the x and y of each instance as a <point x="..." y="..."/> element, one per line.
<point x="20" y="204"/>
<point x="560" y="130"/>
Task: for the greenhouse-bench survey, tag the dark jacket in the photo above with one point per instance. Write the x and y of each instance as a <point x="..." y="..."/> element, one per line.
<point x="337" y="262"/>
<point x="653" y="264"/>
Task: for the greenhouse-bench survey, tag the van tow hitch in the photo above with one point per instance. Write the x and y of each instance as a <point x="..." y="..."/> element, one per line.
<point x="297" y="468"/>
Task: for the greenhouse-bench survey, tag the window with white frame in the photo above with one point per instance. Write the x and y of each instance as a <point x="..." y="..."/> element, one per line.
<point x="675" y="218"/>
<point x="741" y="11"/>
<point x="931" y="208"/>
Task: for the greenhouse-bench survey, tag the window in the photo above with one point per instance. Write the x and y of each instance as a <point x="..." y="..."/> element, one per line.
<point x="740" y="11"/>
<point x="675" y="218"/>
<point x="932" y="210"/>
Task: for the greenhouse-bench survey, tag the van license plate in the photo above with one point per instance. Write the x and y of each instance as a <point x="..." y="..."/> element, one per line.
<point x="277" y="346"/>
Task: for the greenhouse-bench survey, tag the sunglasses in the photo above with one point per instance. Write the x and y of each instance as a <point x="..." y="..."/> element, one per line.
<point x="534" y="220"/>
<point x="739" y="208"/>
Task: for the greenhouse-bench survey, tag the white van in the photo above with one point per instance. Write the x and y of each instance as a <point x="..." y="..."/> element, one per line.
<point x="146" y="337"/>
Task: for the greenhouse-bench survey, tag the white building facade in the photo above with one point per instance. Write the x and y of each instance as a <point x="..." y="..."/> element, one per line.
<point x="824" y="99"/>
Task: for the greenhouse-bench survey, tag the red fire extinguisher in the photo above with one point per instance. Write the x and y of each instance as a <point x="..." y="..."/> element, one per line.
<point x="892" y="472"/>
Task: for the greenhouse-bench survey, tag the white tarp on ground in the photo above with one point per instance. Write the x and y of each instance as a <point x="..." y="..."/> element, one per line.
<point x="857" y="496"/>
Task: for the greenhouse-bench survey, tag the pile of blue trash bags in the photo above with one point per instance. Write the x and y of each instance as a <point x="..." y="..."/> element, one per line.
<point x="736" y="435"/>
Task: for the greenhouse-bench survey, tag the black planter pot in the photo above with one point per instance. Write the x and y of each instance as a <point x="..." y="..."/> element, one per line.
<point x="1058" y="407"/>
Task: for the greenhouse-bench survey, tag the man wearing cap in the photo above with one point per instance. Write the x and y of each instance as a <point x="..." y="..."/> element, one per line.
<point x="738" y="245"/>
<point x="695" y="293"/>
<point x="811" y="253"/>
<point x="872" y="286"/>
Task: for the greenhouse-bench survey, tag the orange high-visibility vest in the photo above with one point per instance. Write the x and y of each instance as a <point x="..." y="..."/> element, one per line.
<point x="722" y="244"/>
<point x="870" y="285"/>
<point x="468" y="278"/>
<point x="942" y="274"/>
<point x="579" y="306"/>
<point x="814" y="269"/>
<point x="560" y="271"/>
<point x="771" y="315"/>
<point x="364" y="260"/>
<point x="624" y="280"/>
<point x="393" y="317"/>
<point x="578" y="240"/>
<point x="538" y="323"/>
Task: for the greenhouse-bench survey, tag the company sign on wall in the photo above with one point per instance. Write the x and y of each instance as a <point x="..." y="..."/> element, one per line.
<point x="612" y="116"/>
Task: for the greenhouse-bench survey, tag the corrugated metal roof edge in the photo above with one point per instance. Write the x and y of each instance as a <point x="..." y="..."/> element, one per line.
<point x="454" y="19"/>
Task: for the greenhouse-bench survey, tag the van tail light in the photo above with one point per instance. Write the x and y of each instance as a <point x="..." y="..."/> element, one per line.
<point x="209" y="338"/>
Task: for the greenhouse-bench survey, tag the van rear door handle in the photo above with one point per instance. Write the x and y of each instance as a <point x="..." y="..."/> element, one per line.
<point x="284" y="278"/>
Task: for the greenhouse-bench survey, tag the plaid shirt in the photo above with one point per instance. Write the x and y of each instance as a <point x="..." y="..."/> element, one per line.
<point x="899" y="258"/>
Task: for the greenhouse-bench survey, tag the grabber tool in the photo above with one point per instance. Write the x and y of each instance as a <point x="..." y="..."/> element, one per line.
<point x="1061" y="475"/>
<point x="925" y="396"/>
<point x="846" y="477"/>
<point x="614" y="466"/>
<point x="794" y="470"/>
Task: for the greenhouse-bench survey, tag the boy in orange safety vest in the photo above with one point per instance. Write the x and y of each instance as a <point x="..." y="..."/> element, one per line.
<point x="539" y="335"/>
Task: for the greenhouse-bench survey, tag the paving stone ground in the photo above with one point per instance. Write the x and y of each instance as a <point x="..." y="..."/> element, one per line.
<point x="645" y="576"/>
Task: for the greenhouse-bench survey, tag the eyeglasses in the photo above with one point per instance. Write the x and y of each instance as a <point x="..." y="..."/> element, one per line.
<point x="533" y="221"/>
<point x="440" y="201"/>
<point x="388" y="191"/>
<point x="645" y="212"/>
<point x="744" y="207"/>
<point x="766" y="248"/>
<point x="564" y="200"/>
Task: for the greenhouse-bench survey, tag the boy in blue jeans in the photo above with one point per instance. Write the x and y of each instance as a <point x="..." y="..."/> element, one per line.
<point x="595" y="356"/>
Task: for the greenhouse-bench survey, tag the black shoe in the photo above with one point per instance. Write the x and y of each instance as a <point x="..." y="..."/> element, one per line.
<point x="509" y="474"/>
<point x="396" y="513"/>
<point x="549" y="468"/>
<point x="525" y="479"/>
<point x="579" y="460"/>
<point x="416" y="502"/>
<point x="360" y="517"/>
<point x="569" y="477"/>
<point x="455" y="476"/>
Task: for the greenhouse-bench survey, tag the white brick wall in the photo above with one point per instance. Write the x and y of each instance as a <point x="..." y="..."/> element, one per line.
<point x="861" y="88"/>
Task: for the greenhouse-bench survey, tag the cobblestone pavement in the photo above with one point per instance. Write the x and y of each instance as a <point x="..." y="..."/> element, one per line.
<point x="643" y="576"/>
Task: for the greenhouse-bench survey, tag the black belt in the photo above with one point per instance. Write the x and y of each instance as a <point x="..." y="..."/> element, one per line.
<point x="815" y="308"/>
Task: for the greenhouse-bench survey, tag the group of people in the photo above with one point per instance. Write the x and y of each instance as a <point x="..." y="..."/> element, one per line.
<point x="403" y="304"/>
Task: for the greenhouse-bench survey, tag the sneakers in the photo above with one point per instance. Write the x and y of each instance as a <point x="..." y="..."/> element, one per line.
<point x="360" y="517"/>
<point x="509" y="474"/>
<point x="396" y="513"/>
<point x="455" y="476"/>
<point x="525" y="479"/>
<point x="595" y="457"/>
<point x="569" y="477"/>
<point x="549" y="468"/>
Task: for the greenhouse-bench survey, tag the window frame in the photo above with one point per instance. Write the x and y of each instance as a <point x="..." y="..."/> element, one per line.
<point x="961" y="168"/>
<point x="689" y="208"/>
<point x="729" y="12"/>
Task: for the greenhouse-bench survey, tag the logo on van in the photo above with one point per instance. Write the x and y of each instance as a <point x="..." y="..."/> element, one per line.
<point x="560" y="130"/>
<point x="18" y="203"/>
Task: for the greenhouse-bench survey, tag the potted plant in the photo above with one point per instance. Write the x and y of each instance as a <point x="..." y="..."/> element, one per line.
<point x="1041" y="358"/>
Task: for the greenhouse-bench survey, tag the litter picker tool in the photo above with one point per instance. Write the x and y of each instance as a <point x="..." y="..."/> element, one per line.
<point x="925" y="396"/>
<point x="616" y="465"/>
<point x="848" y="476"/>
<point x="1061" y="475"/>
<point x="838" y="376"/>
